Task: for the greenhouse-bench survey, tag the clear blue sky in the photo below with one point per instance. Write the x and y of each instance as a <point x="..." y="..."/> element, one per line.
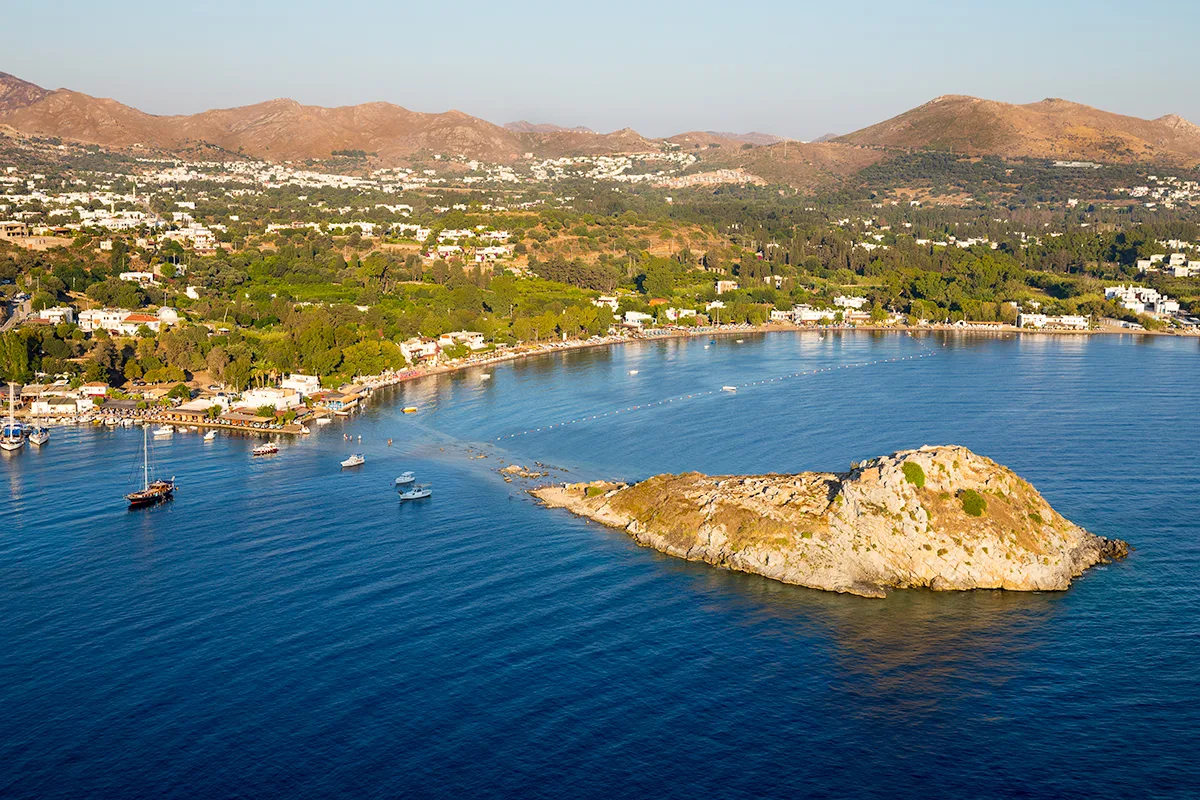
<point x="793" y="68"/>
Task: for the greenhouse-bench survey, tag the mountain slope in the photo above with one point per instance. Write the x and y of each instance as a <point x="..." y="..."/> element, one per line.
<point x="523" y="126"/>
<point x="276" y="129"/>
<point x="16" y="93"/>
<point x="1051" y="128"/>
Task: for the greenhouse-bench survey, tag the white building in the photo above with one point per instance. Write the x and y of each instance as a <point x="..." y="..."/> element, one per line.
<point x="58" y="314"/>
<point x="117" y="321"/>
<point x="606" y="302"/>
<point x="805" y="313"/>
<point x="1141" y="300"/>
<point x="305" y="385"/>
<point x="474" y="340"/>
<point x="637" y="319"/>
<point x="843" y="301"/>
<point x="420" y="349"/>
<point x="278" y="398"/>
<point x="726" y="286"/>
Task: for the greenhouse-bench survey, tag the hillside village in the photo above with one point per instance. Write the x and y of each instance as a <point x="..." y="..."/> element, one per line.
<point x="148" y="273"/>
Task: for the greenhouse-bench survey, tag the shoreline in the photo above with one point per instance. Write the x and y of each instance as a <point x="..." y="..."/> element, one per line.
<point x="686" y="333"/>
<point x="520" y="352"/>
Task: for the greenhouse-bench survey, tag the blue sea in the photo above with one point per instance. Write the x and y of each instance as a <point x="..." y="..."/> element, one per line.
<point x="287" y="629"/>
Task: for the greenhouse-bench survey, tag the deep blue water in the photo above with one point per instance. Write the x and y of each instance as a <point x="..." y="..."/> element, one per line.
<point x="285" y="629"/>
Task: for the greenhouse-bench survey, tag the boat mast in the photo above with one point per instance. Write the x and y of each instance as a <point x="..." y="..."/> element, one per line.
<point x="145" y="460"/>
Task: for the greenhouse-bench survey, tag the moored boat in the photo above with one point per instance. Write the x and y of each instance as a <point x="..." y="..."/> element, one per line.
<point x="39" y="436"/>
<point x="13" y="435"/>
<point x="418" y="492"/>
<point x="405" y="479"/>
<point x="163" y="431"/>
<point x="265" y="449"/>
<point x="354" y="461"/>
<point x="152" y="492"/>
<point x="208" y="437"/>
<point x="410" y="409"/>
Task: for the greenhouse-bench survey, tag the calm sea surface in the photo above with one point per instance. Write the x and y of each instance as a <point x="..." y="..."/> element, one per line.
<point x="287" y="629"/>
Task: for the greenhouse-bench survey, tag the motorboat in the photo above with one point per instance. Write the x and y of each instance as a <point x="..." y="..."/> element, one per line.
<point x="163" y="431"/>
<point x="208" y="437"/>
<point x="266" y="449"/>
<point x="39" y="436"/>
<point x="728" y="388"/>
<point x="418" y="492"/>
<point x="633" y="372"/>
<point x="324" y="421"/>
<point x="405" y="479"/>
<point x="355" y="460"/>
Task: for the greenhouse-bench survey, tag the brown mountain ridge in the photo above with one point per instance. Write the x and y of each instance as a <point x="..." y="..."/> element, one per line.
<point x="1051" y="128"/>
<point x="285" y="130"/>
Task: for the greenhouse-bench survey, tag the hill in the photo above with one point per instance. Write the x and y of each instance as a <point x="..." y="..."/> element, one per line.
<point x="804" y="166"/>
<point x="1052" y="128"/>
<point x="275" y="130"/>
<point x="521" y="126"/>
<point x="16" y="93"/>
<point x="942" y="518"/>
<point x="753" y="137"/>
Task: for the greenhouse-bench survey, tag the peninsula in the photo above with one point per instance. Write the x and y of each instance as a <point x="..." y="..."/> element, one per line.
<point x="940" y="517"/>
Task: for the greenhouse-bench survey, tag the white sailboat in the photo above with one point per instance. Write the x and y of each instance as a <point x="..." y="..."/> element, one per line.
<point x="13" y="436"/>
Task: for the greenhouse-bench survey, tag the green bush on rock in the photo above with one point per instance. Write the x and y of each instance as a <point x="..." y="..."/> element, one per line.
<point x="973" y="502"/>
<point x="914" y="474"/>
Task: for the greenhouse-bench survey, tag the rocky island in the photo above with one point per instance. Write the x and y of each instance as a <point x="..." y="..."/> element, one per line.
<point x="940" y="517"/>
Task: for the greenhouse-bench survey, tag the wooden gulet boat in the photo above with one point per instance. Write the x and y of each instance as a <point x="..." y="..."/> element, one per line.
<point x="152" y="492"/>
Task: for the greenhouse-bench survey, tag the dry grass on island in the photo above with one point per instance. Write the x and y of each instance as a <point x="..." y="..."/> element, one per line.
<point x="942" y="518"/>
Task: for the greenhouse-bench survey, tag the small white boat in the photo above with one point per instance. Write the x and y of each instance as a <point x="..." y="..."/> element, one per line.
<point x="304" y="429"/>
<point x="487" y="376"/>
<point x="208" y="437"/>
<point x="127" y="422"/>
<point x="39" y="436"/>
<point x="739" y="341"/>
<point x="633" y="372"/>
<point x="728" y="388"/>
<point x="418" y="492"/>
<point x="324" y="421"/>
<point x="355" y="460"/>
<point x="405" y="479"/>
<point x="265" y="449"/>
<point x="163" y="431"/>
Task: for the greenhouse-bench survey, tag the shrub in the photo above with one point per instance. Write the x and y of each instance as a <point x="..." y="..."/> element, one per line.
<point x="595" y="491"/>
<point x="973" y="502"/>
<point x="1036" y="517"/>
<point x="914" y="474"/>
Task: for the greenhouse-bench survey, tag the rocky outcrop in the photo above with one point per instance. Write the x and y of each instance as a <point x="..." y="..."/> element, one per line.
<point x="942" y="518"/>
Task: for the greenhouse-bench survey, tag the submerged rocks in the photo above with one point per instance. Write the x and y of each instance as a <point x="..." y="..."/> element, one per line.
<point x="942" y="518"/>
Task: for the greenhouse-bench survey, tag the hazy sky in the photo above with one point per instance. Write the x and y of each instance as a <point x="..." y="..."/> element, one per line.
<point x="792" y="68"/>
